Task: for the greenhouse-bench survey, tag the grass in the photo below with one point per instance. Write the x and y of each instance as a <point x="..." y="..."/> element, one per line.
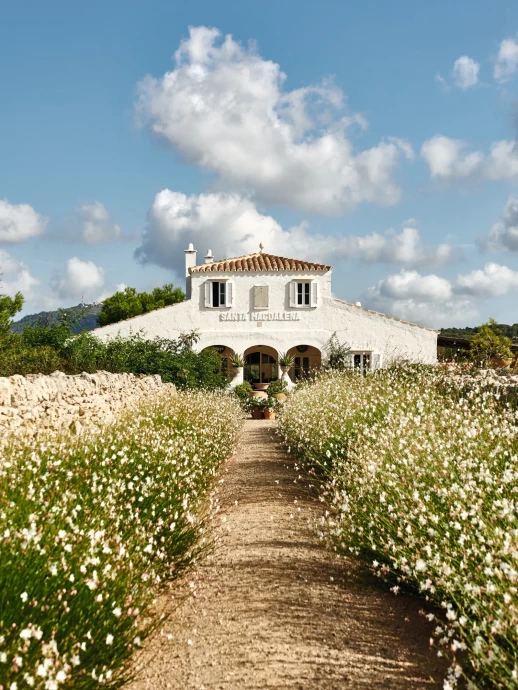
<point x="421" y="481"/>
<point x="91" y="529"/>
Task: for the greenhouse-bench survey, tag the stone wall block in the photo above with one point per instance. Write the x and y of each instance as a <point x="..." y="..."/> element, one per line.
<point x="5" y="391"/>
<point x="74" y="402"/>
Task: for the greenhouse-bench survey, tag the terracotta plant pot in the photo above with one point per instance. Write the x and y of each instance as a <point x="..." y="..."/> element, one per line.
<point x="261" y="386"/>
<point x="269" y="414"/>
<point x="280" y="396"/>
<point x="257" y="414"/>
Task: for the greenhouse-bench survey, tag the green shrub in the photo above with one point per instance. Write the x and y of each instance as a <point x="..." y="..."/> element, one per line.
<point x="337" y="355"/>
<point x="277" y="386"/>
<point x="258" y="403"/>
<point x="44" y="348"/>
<point x="242" y="391"/>
<point x="273" y="404"/>
<point x="15" y="358"/>
<point x="55" y="335"/>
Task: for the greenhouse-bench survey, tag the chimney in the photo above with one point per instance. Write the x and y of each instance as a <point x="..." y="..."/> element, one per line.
<point x="209" y="259"/>
<point x="190" y="261"/>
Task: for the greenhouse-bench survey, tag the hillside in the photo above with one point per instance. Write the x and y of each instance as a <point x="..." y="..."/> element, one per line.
<point x="509" y="331"/>
<point x="88" y="322"/>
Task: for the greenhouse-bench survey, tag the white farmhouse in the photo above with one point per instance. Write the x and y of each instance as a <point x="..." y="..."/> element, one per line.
<point x="262" y="305"/>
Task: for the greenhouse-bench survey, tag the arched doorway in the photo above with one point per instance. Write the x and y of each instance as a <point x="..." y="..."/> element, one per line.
<point x="308" y="359"/>
<point x="260" y="364"/>
<point x="226" y="354"/>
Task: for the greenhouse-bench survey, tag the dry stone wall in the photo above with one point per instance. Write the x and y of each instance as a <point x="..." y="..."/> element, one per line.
<point x="35" y="402"/>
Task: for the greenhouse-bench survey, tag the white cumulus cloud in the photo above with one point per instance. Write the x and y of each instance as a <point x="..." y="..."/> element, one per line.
<point x="425" y="299"/>
<point x="503" y="235"/>
<point x="19" y="222"/>
<point x="506" y="62"/>
<point x="223" y="107"/>
<point x="79" y="279"/>
<point x="16" y="276"/>
<point x="231" y="225"/>
<point x="493" y="280"/>
<point x="96" y="224"/>
<point x="404" y="247"/>
<point x="465" y="72"/>
<point x="449" y="159"/>
<point x="434" y="301"/>
<point x="411" y="284"/>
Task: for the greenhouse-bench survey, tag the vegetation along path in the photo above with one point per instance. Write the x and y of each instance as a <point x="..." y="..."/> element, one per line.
<point x="274" y="608"/>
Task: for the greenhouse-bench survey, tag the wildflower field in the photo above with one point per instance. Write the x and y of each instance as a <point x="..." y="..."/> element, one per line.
<point x="420" y="477"/>
<point x="92" y="527"/>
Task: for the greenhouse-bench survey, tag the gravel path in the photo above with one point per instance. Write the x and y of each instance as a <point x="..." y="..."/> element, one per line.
<point x="274" y="608"/>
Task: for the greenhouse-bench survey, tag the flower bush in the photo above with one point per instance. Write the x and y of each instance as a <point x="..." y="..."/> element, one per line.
<point x="91" y="528"/>
<point x="421" y="480"/>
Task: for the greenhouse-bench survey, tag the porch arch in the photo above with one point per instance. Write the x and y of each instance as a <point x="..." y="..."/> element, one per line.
<point x="308" y="359"/>
<point x="226" y="354"/>
<point x="261" y="364"/>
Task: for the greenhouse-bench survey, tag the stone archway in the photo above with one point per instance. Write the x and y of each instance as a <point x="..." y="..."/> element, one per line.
<point x="308" y="359"/>
<point x="261" y="364"/>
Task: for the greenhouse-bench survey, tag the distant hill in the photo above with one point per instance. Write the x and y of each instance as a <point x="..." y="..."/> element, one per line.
<point x="88" y="322"/>
<point x="509" y="331"/>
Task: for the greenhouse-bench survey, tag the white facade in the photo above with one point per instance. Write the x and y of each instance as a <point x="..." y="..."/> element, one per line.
<point x="261" y="307"/>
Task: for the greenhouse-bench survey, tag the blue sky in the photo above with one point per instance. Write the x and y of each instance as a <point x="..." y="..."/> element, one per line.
<point x="379" y="137"/>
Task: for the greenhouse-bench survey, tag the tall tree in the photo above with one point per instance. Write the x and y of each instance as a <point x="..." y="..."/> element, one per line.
<point x="489" y="344"/>
<point x="9" y="306"/>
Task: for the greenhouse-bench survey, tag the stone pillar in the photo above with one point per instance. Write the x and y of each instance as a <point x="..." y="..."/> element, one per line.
<point x="286" y="377"/>
<point x="238" y="378"/>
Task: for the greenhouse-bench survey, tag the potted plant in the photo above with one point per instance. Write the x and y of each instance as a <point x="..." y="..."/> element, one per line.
<point x="237" y="362"/>
<point x="270" y="410"/>
<point x="257" y="407"/>
<point x="278" y="389"/>
<point x="286" y="361"/>
<point x="261" y="386"/>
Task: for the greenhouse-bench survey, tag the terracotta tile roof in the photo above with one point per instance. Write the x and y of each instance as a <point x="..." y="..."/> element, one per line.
<point x="260" y="262"/>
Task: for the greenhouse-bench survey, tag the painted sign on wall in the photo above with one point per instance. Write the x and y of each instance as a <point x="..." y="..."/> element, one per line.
<point x="261" y="316"/>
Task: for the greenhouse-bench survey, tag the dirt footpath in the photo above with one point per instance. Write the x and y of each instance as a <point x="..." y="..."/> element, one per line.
<point x="274" y="608"/>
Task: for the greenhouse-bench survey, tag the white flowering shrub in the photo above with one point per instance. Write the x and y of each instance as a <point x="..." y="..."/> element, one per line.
<point x="92" y="527"/>
<point x="421" y="480"/>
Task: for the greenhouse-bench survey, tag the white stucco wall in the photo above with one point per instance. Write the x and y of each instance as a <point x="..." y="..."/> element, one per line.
<point x="361" y="329"/>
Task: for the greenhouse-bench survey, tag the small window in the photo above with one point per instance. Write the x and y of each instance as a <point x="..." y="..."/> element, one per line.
<point x="361" y="362"/>
<point x="303" y="293"/>
<point x="219" y="294"/>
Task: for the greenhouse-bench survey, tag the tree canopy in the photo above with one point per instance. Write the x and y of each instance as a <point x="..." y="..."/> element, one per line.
<point x="128" y="303"/>
<point x="9" y="306"/>
<point x="469" y="332"/>
<point x="489" y="344"/>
